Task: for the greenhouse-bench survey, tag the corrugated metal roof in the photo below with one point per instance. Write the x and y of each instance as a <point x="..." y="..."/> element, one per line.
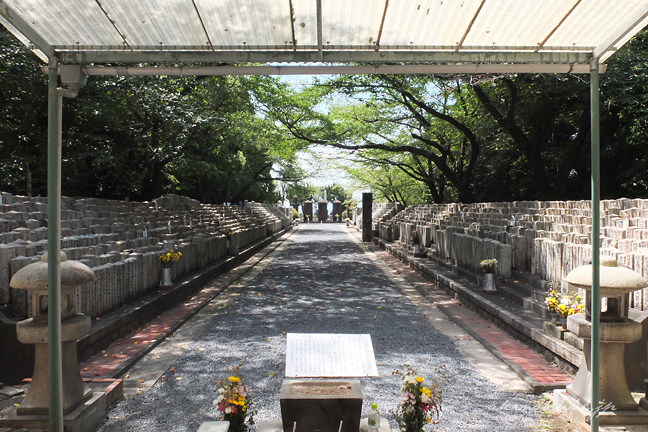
<point x="378" y="31"/>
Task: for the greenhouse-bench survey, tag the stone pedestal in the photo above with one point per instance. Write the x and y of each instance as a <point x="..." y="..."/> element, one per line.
<point x="307" y="406"/>
<point x="82" y="419"/>
<point x="617" y="406"/>
<point x="613" y="385"/>
<point x="75" y="392"/>
<point x="276" y="426"/>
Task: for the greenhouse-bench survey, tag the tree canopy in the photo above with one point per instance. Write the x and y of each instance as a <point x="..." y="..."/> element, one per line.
<point x="409" y="138"/>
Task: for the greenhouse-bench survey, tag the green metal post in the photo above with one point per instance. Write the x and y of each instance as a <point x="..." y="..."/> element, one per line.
<point x="596" y="242"/>
<point x="53" y="250"/>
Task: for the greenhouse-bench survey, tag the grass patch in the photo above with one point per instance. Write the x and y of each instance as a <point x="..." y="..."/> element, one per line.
<point x="551" y="421"/>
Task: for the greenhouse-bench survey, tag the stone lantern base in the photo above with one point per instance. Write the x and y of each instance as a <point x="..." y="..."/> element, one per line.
<point x="617" y="406"/>
<point x="577" y="413"/>
<point x="82" y="419"/>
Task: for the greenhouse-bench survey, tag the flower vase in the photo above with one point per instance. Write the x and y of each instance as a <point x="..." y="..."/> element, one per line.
<point x="489" y="283"/>
<point x="563" y="321"/>
<point x="417" y="249"/>
<point x="166" y="282"/>
<point x="555" y="318"/>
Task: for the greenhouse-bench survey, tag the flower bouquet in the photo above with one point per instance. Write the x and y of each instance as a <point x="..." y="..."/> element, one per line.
<point x="416" y="237"/>
<point x="488" y="265"/>
<point x="552" y="300"/>
<point x="170" y="258"/>
<point x="234" y="403"/>
<point x="418" y="404"/>
<point x="570" y="305"/>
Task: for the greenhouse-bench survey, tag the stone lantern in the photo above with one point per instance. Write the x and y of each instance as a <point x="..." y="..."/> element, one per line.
<point x="616" y="330"/>
<point x="33" y="278"/>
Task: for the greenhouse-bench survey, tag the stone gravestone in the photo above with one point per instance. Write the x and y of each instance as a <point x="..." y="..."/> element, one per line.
<point x="367" y="201"/>
<point x="325" y="405"/>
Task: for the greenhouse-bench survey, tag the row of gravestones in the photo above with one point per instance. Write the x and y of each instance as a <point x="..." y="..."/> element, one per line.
<point x="379" y="212"/>
<point x="547" y="239"/>
<point x="121" y="241"/>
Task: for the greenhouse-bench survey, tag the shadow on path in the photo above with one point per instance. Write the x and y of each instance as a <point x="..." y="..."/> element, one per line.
<point x="319" y="281"/>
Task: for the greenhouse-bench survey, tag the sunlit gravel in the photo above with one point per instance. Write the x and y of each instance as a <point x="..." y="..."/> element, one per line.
<point x="320" y="282"/>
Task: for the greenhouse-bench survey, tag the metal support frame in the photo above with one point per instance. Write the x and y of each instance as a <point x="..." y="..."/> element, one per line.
<point x="74" y="77"/>
<point x="320" y="55"/>
<point x="54" y="126"/>
<point x="336" y="69"/>
<point x="596" y="242"/>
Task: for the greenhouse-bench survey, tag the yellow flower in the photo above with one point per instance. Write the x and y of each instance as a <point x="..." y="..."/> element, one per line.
<point x="426" y="391"/>
<point x="233" y="379"/>
<point x="419" y="380"/>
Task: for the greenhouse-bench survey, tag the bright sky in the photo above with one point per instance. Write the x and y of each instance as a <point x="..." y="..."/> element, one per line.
<point x="319" y="166"/>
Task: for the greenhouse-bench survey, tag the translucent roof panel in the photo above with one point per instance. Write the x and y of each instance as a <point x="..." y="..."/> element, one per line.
<point x="363" y="31"/>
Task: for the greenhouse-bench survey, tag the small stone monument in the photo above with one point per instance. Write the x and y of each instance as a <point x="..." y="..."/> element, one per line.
<point x="337" y="211"/>
<point x="616" y="330"/>
<point x="82" y="408"/>
<point x="307" y="208"/>
<point x="322" y="210"/>
<point x="329" y="404"/>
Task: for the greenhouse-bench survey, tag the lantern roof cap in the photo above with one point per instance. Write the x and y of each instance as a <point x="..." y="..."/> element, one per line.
<point x="34" y="276"/>
<point x="614" y="280"/>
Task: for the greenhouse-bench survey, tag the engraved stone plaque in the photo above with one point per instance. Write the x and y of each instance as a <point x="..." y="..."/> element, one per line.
<point x="314" y="355"/>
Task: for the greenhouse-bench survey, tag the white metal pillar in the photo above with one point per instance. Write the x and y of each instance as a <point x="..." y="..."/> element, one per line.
<point x="596" y="242"/>
<point x="53" y="250"/>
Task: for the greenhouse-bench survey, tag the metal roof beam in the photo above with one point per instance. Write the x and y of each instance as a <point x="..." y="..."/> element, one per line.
<point x="329" y="47"/>
<point x="562" y="20"/>
<point x="26" y="30"/>
<point x="337" y="70"/>
<point x="328" y="56"/>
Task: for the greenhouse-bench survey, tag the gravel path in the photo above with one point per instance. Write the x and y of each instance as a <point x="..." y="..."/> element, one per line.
<point x="319" y="281"/>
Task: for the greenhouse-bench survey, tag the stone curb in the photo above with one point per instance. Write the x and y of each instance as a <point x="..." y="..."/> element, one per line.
<point x="537" y="387"/>
<point x="567" y="356"/>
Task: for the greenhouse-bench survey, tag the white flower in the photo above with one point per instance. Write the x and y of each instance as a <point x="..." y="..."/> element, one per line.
<point x="221" y="390"/>
<point x="219" y="399"/>
<point x="228" y="410"/>
<point x="409" y="379"/>
<point x="424" y="398"/>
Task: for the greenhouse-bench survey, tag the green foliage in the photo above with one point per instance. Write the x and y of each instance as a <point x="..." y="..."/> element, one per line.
<point x="624" y="121"/>
<point x="23" y="119"/>
<point x="411" y="138"/>
<point x="299" y="192"/>
<point x="141" y="137"/>
<point x="336" y="192"/>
